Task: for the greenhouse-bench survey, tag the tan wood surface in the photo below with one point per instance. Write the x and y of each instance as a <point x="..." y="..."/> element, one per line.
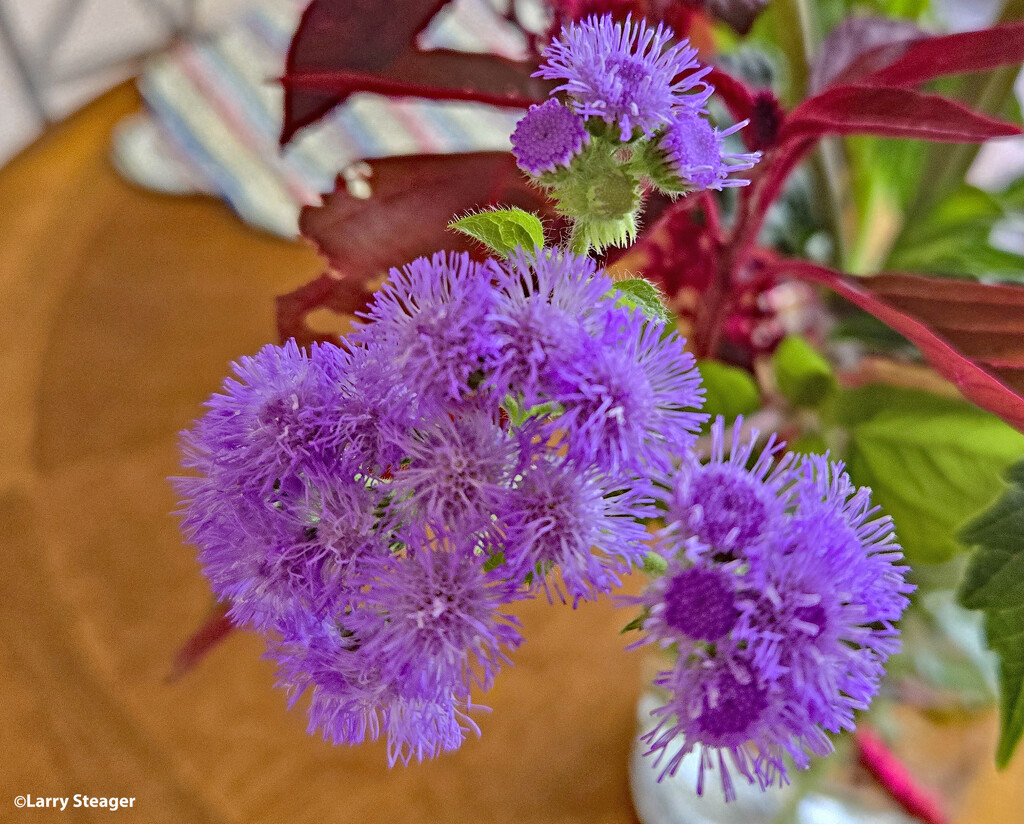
<point x="119" y="310"/>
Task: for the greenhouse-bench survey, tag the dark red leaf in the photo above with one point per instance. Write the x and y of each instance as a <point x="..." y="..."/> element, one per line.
<point x="348" y="35"/>
<point x="972" y="51"/>
<point x="440" y="74"/>
<point x="740" y="14"/>
<point x="858" y="46"/>
<point x="737" y="95"/>
<point x="211" y="632"/>
<point x="342" y="294"/>
<point x="566" y="11"/>
<point x="413" y="200"/>
<point x="971" y="333"/>
<point x="844" y="110"/>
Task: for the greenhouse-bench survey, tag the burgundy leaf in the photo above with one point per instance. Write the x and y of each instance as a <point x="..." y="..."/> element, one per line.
<point x="972" y="51"/>
<point x="740" y="14"/>
<point x="971" y="333"/>
<point x="440" y="74"/>
<point x="858" y="46"/>
<point x="211" y="632"/>
<point x="342" y="294"/>
<point x="413" y="200"/>
<point x="844" y="110"/>
<point x="566" y="11"/>
<point x="348" y="36"/>
<point x="737" y="95"/>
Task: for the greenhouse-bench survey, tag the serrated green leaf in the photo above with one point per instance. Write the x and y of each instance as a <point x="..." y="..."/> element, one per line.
<point x="728" y="390"/>
<point x="802" y="373"/>
<point x="503" y="230"/>
<point x="637" y="293"/>
<point x="931" y="466"/>
<point x="994" y="583"/>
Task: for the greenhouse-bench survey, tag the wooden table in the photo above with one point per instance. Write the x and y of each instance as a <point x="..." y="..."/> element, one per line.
<point x="120" y="310"/>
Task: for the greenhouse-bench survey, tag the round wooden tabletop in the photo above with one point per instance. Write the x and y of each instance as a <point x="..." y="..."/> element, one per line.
<point x="119" y="311"/>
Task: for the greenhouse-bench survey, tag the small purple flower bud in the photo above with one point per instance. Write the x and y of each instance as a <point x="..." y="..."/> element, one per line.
<point x="548" y="136"/>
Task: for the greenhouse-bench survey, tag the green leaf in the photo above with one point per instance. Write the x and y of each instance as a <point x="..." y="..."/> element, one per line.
<point x="503" y="230"/>
<point x="954" y="238"/>
<point x="932" y="463"/>
<point x="850" y="407"/>
<point x="655" y="564"/>
<point x="637" y="623"/>
<point x="641" y="294"/>
<point x="495" y="561"/>
<point x="994" y="583"/>
<point x="729" y="390"/>
<point x="802" y="373"/>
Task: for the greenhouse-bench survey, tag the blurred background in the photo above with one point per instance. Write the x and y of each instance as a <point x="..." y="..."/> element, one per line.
<point x="121" y="309"/>
<point x="57" y="54"/>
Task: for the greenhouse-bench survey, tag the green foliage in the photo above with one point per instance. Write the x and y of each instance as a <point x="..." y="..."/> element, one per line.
<point x="803" y="375"/>
<point x="729" y="390"/>
<point x="994" y="583"/>
<point x="932" y="462"/>
<point x="638" y="293"/>
<point x="503" y="230"/>
<point x="954" y="238"/>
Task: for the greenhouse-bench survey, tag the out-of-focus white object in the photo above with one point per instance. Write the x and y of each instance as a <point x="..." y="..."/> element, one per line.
<point x="55" y="55"/>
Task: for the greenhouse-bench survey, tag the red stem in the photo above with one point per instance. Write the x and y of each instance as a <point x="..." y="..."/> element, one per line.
<point x="894" y="777"/>
<point x="738" y="249"/>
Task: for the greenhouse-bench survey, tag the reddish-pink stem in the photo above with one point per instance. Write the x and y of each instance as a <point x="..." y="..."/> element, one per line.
<point x="894" y="777"/>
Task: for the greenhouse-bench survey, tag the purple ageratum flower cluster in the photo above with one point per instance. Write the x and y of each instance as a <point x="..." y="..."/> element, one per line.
<point x="490" y="432"/>
<point x="780" y="595"/>
<point x="626" y="74"/>
<point x="630" y="113"/>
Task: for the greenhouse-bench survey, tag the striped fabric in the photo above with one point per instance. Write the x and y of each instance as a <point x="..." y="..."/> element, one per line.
<point x="214" y="116"/>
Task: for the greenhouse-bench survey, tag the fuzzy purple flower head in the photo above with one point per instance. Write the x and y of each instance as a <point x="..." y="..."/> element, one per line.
<point x="780" y="595"/>
<point x="548" y="137"/>
<point x="627" y="74"/>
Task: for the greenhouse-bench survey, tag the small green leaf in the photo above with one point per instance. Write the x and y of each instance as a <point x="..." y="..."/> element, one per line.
<point x="932" y="464"/>
<point x="503" y="230"/>
<point x="729" y="390"/>
<point x="655" y="564"/>
<point x="994" y="583"/>
<point x="641" y="294"/>
<point x="495" y="561"/>
<point x="802" y="373"/>
<point x="637" y="623"/>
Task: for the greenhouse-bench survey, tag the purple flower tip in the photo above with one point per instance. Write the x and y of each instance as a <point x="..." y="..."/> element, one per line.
<point x="548" y="136"/>
<point x="695" y="152"/>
